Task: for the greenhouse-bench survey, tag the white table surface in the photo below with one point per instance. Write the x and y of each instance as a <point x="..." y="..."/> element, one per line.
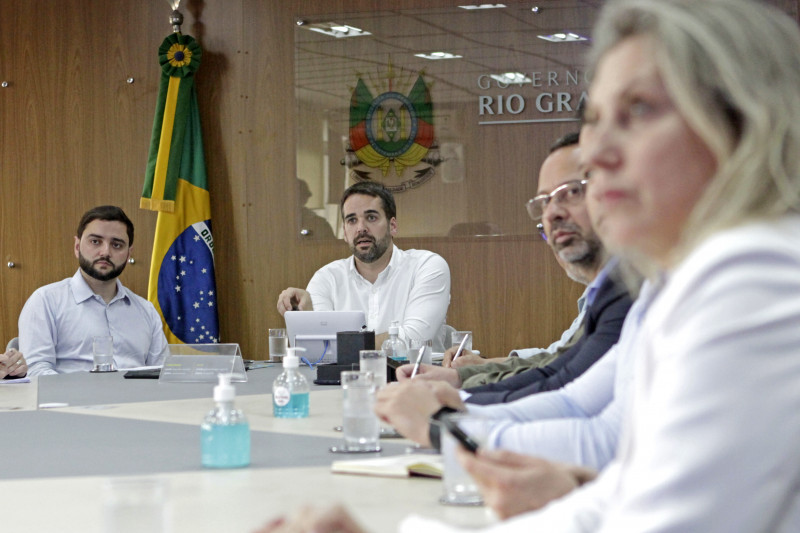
<point x="291" y="462"/>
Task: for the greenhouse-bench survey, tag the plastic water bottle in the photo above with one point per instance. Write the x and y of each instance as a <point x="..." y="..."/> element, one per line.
<point x="225" y="433"/>
<point x="290" y="389"/>
<point x="394" y="347"/>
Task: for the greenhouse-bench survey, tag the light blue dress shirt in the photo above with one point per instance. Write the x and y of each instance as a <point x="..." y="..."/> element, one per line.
<point x="526" y="353"/>
<point x="584" y="302"/>
<point x="579" y="423"/>
<point x="58" y="321"/>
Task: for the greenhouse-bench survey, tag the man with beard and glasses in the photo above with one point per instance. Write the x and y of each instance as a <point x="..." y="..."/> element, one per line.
<point x="58" y="322"/>
<point x="387" y="283"/>
<point x="570" y="409"/>
<point x="561" y="210"/>
<point x="576" y="248"/>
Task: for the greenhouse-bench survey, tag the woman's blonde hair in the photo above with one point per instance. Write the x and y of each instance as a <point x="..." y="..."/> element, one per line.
<point x="732" y="67"/>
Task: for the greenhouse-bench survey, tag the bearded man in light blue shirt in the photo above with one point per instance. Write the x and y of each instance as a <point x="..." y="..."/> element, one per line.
<point x="58" y="322"/>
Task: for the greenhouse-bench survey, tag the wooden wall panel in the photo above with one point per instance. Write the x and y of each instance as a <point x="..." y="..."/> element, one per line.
<point x="75" y="134"/>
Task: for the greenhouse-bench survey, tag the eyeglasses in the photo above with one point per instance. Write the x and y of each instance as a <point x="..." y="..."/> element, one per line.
<point x="566" y="194"/>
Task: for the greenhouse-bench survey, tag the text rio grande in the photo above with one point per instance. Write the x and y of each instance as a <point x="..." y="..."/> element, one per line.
<point x="561" y="93"/>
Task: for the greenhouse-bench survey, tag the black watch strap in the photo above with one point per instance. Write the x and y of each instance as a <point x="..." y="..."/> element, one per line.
<point x="434" y="428"/>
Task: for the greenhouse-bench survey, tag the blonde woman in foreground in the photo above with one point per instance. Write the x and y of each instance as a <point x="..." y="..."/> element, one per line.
<point x="691" y="142"/>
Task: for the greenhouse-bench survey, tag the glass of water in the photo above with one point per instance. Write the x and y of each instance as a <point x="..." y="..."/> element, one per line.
<point x="414" y="346"/>
<point x="458" y="336"/>
<point x="278" y="344"/>
<point x="373" y="361"/>
<point x="360" y="424"/>
<point x="459" y="487"/>
<point x="135" y="504"/>
<point x="103" y="354"/>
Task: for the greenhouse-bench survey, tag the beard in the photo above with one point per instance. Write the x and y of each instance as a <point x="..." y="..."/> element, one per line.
<point x="580" y="250"/>
<point x="91" y="271"/>
<point x="376" y="249"/>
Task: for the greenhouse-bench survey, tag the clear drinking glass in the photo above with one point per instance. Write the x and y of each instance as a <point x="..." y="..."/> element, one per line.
<point x="135" y="504"/>
<point x="278" y="344"/>
<point x="459" y="487"/>
<point x="413" y="350"/>
<point x="373" y="361"/>
<point x="458" y="336"/>
<point x="360" y="425"/>
<point x="103" y="354"/>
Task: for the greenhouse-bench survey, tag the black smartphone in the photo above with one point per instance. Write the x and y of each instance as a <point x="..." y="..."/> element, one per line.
<point x="143" y="373"/>
<point x="459" y="434"/>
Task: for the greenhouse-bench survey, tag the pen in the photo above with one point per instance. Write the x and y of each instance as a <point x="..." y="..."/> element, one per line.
<point x="460" y="348"/>
<point x="419" y="360"/>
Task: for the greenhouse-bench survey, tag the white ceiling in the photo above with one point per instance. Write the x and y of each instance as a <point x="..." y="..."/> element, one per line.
<point x="490" y="41"/>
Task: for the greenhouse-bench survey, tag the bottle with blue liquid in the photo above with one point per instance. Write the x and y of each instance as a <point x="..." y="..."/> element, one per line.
<point x="225" y="433"/>
<point x="394" y="347"/>
<point x="290" y="389"/>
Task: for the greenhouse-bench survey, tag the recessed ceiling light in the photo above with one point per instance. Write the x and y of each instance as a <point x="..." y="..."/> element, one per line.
<point x="511" y="78"/>
<point x="438" y="55"/>
<point x="334" y="29"/>
<point x="483" y="6"/>
<point x="563" y="37"/>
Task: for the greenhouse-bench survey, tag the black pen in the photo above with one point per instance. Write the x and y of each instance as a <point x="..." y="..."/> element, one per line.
<point x="419" y="360"/>
<point x="460" y="347"/>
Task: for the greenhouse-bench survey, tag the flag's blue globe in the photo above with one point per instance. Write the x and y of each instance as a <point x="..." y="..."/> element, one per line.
<point x="187" y="292"/>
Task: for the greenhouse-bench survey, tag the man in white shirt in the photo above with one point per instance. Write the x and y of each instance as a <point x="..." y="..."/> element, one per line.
<point x="387" y="283"/>
<point x="58" y="322"/>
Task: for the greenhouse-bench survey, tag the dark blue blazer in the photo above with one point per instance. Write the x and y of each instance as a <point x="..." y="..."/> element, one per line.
<point x="602" y="325"/>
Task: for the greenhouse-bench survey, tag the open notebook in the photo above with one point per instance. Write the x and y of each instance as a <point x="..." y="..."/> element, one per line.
<point x="426" y="465"/>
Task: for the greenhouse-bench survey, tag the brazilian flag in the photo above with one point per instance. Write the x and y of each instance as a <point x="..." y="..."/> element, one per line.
<point x="182" y="284"/>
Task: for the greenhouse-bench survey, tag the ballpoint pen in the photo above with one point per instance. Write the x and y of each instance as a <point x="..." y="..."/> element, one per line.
<point x="418" y="361"/>
<point x="460" y="347"/>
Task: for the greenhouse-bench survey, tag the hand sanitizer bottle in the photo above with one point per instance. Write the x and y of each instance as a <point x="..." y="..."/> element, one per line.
<point x="225" y="433"/>
<point x="290" y="389"/>
<point x="394" y="347"/>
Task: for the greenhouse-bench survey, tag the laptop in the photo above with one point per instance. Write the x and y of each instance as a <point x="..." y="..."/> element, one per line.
<point x="316" y="331"/>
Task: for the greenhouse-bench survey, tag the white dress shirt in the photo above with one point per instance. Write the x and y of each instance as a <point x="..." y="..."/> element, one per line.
<point x="58" y="321"/>
<point x="713" y="428"/>
<point x="413" y="289"/>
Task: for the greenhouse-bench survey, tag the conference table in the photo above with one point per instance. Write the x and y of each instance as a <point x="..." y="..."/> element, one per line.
<point x="64" y="438"/>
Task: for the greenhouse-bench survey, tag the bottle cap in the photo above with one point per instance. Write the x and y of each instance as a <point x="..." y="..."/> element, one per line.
<point x="224" y="392"/>
<point x="291" y="360"/>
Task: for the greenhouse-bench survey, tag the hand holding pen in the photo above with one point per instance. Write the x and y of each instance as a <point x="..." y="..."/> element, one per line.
<point x="418" y="361"/>
<point x="461" y="347"/>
